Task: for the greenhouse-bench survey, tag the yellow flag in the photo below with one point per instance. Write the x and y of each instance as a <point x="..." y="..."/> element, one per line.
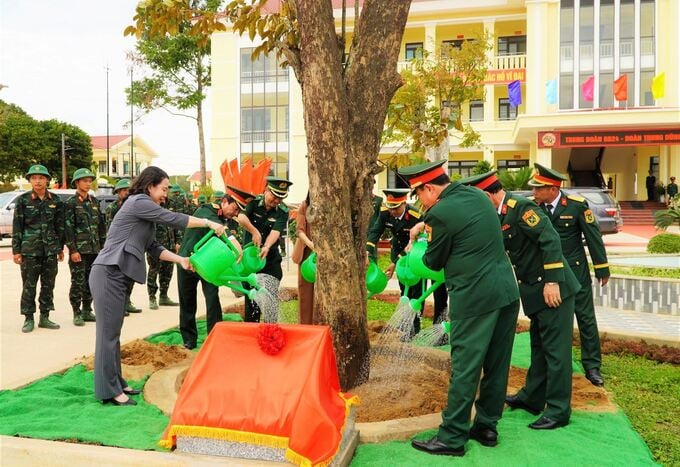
<point x="659" y="85"/>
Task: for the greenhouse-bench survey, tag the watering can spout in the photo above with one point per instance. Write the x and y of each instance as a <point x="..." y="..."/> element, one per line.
<point x="446" y="326"/>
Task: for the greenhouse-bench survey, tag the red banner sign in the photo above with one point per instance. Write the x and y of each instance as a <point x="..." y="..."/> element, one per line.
<point x="505" y="76"/>
<point x="582" y="139"/>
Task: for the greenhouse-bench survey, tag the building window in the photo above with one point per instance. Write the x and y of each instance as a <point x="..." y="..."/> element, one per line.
<point x="394" y="180"/>
<point x="505" y="110"/>
<point x="508" y="164"/>
<point x="413" y="50"/>
<point x="102" y="167"/>
<point x="476" y="111"/>
<point x="114" y="166"/>
<point x="126" y="168"/>
<point x="512" y="45"/>
<point x="464" y="168"/>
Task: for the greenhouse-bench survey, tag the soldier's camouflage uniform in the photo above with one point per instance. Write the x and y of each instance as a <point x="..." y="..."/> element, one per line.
<point x="85" y="232"/>
<point x="38" y="235"/>
<point x="166" y="236"/>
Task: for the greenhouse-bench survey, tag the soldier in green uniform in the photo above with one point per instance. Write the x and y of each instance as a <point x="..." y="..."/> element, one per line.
<point x="377" y="203"/>
<point x="160" y="272"/>
<point x="547" y="287"/>
<point x="37" y="244"/>
<point x="399" y="217"/>
<point x="187" y="281"/>
<point x="201" y="200"/>
<point x="121" y="189"/>
<point x="464" y="238"/>
<point x="85" y="232"/>
<point x="265" y="219"/>
<point x="574" y="221"/>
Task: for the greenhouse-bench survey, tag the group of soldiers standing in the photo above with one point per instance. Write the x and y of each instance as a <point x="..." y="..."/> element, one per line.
<point x="43" y="224"/>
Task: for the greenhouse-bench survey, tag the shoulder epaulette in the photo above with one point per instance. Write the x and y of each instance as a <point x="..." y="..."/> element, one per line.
<point x="414" y="213"/>
<point x="283" y="207"/>
<point x="580" y="199"/>
<point x="383" y="208"/>
<point x="511" y="202"/>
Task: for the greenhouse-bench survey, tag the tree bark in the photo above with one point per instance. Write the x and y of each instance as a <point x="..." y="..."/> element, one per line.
<point x="343" y="122"/>
<point x="199" y="122"/>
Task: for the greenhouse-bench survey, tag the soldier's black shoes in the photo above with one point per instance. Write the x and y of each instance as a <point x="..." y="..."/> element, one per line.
<point x="484" y="436"/>
<point x="88" y="316"/>
<point x="28" y="326"/>
<point x="164" y="300"/>
<point x="190" y="346"/>
<point x="115" y="402"/>
<point x="436" y="447"/>
<point x="545" y="423"/>
<point x="132" y="392"/>
<point x="153" y="305"/>
<point x="130" y="308"/>
<point x="514" y="402"/>
<point x="47" y="324"/>
<point x="594" y="376"/>
<point x="78" y="319"/>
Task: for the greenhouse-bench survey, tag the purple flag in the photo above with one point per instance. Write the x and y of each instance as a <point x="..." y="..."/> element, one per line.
<point x="515" y="93"/>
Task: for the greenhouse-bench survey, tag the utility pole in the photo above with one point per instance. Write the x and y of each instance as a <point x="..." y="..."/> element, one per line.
<point x="63" y="161"/>
<point x="132" y="127"/>
<point x="108" y="146"/>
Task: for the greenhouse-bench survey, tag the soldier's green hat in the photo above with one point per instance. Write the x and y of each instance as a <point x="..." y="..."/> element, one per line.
<point x="201" y="199"/>
<point x="217" y="196"/>
<point x="278" y="186"/>
<point x="421" y="174"/>
<point x="487" y="181"/>
<point x="395" y="197"/>
<point x="38" y="169"/>
<point x="120" y="184"/>
<point x="190" y="195"/>
<point x="546" y="177"/>
<point x="241" y="197"/>
<point x="175" y="188"/>
<point x="82" y="173"/>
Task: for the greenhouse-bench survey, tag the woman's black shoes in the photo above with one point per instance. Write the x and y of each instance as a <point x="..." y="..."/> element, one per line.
<point x="132" y="392"/>
<point x="115" y="402"/>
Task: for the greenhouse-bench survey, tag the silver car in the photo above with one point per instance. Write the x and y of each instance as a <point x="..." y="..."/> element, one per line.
<point x="606" y="209"/>
<point x="8" y="200"/>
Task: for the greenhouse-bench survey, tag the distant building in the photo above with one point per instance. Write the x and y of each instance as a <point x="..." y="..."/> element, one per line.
<point x="119" y="163"/>
<point x="195" y="180"/>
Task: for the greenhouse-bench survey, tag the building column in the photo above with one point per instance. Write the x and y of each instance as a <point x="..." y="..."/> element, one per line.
<point x="541" y="155"/>
<point x="430" y="45"/>
<point x="489" y="89"/>
<point x="488" y="155"/>
<point x="538" y="54"/>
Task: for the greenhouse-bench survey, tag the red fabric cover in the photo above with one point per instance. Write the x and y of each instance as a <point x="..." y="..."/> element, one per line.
<point x="294" y="394"/>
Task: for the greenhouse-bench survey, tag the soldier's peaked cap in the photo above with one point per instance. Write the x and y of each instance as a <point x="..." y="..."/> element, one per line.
<point x="421" y="174"/>
<point x="241" y="197"/>
<point x="487" y="181"/>
<point x="546" y="177"/>
<point x="278" y="186"/>
<point x="395" y="197"/>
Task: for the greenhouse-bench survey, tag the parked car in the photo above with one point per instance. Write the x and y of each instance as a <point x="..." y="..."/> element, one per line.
<point x="605" y="207"/>
<point x="8" y="201"/>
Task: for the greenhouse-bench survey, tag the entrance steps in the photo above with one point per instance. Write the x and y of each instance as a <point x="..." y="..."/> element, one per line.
<point x="639" y="212"/>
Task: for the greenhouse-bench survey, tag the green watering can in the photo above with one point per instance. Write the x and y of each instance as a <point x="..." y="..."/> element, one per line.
<point x="416" y="264"/>
<point x="251" y="261"/>
<point x="411" y="269"/>
<point x="376" y="280"/>
<point x="215" y="259"/>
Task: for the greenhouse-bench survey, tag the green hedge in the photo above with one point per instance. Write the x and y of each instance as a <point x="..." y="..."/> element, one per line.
<point x="664" y="243"/>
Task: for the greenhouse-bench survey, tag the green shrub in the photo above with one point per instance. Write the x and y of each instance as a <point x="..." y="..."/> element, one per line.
<point x="664" y="243"/>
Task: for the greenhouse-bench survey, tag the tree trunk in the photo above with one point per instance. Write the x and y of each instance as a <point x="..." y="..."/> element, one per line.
<point x="199" y="122"/>
<point x="343" y="122"/>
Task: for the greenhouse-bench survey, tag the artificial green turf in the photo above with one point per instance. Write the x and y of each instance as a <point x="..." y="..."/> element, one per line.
<point x="173" y="337"/>
<point x="590" y="439"/>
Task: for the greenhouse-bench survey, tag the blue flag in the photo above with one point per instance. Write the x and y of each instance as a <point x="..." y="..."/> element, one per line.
<point x="515" y="93"/>
<point x="551" y="91"/>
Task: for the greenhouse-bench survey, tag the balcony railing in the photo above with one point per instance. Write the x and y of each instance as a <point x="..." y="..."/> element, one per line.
<point x="500" y="62"/>
<point x="264" y="136"/>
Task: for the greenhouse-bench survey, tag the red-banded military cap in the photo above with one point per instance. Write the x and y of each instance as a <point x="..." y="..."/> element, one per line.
<point x="395" y="197"/>
<point x="421" y="174"/>
<point x="487" y="181"/>
<point x="241" y="197"/>
<point x="546" y="177"/>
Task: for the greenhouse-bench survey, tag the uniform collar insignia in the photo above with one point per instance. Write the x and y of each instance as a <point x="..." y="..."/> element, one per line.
<point x="563" y="200"/>
<point x="505" y="227"/>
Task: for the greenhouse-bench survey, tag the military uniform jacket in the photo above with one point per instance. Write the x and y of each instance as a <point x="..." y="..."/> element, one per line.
<point x="38" y="225"/>
<point x="464" y="239"/>
<point x="85" y="226"/>
<point x="400" y="229"/>
<point x="266" y="221"/>
<point x="535" y="251"/>
<point x="572" y="218"/>
<point x="110" y="212"/>
<point x="192" y="236"/>
<point x="167" y="236"/>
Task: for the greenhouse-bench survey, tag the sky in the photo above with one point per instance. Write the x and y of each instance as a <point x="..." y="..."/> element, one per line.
<point x="53" y="59"/>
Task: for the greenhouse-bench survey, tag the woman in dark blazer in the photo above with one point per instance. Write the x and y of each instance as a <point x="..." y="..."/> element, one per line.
<point x="121" y="262"/>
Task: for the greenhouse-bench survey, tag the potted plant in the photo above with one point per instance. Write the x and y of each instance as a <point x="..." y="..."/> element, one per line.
<point x="661" y="191"/>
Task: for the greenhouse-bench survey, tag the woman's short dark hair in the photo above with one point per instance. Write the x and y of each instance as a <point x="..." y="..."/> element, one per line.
<point x="150" y="176"/>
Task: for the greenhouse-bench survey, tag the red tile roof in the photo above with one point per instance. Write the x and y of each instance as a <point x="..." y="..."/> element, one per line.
<point x="99" y="142"/>
<point x="196" y="177"/>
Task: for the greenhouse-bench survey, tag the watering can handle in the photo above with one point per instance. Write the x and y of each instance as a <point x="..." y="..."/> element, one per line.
<point x="224" y="238"/>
